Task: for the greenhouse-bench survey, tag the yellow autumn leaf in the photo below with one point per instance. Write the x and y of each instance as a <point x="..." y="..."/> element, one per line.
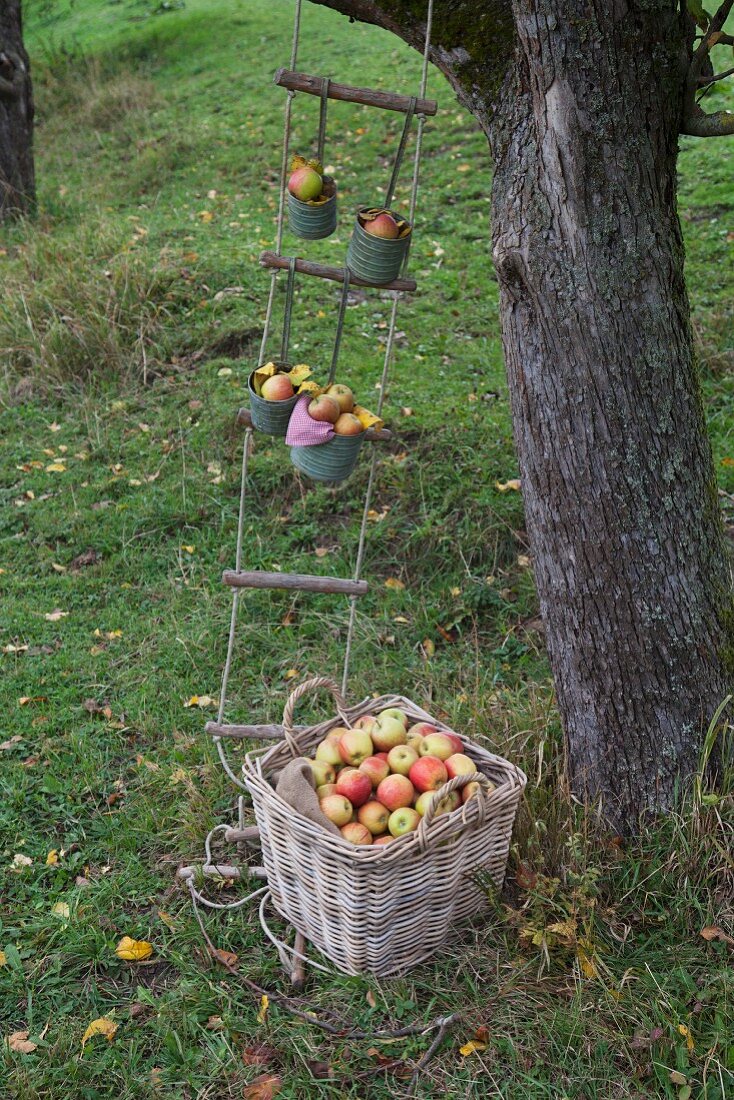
<point x="309" y="386"/>
<point x="56" y="468"/>
<point x="166" y="918"/>
<point x="367" y="419"/>
<point x="585" y="955"/>
<point x="686" y="1033"/>
<point x="3" y="958"/>
<point x="394" y="582"/>
<point x="206" y="216"/>
<point x="299" y="373"/>
<point x="188" y="548"/>
<point x="455" y="591"/>
<point x="133" y="950"/>
<point x="201" y="701"/>
<point x="55" y="615"/>
<point x="52" y="858"/>
<point x="290" y="674"/>
<point x="267" y="370"/>
<point x="101" y="1026"/>
<point x="506" y="486"/>
<point x="429" y="647"/>
<point x="264" y="1003"/>
<point x="472" y="1047"/>
<point x="566" y="929"/>
<point x="61" y="910"/>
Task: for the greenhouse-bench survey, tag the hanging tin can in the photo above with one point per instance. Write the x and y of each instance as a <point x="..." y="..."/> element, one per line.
<point x="270" y="417"/>
<point x="311" y="221"/>
<point x="331" y="461"/>
<point x="377" y="260"/>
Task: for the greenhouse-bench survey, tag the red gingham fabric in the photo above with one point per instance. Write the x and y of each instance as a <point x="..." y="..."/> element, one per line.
<point x="302" y="430"/>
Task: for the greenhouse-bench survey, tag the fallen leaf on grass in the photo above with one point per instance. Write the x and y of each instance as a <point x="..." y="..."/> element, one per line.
<point x="258" y="1055"/>
<point x="686" y="1033"/>
<point x="472" y="1047"/>
<point x="677" y="1078"/>
<point x="290" y="674"/>
<point x="133" y="950"/>
<point x="19" y="860"/>
<point x="264" y="1005"/>
<point x="9" y="744"/>
<point x="201" y="701"/>
<point x="101" y="1026"/>
<point x="264" y="1087"/>
<point x="52" y="858"/>
<point x="370" y="998"/>
<point x="166" y="918"/>
<point x="61" y="910"/>
<point x="56" y="468"/>
<point x="226" y="958"/>
<point x="713" y="932"/>
<point x="55" y="615"/>
<point x="215" y="1023"/>
<point x="395" y="583"/>
<point x="3" y="958"/>
<point x="507" y="486"/>
<point x="20" y="1043"/>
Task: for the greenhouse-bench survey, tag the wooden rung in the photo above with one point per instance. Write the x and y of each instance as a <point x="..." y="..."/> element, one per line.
<point x="257" y="733"/>
<point x="302" y="582"/>
<point x="371" y="97"/>
<point x="381" y="435"/>
<point x="249" y="834"/>
<point x="220" y="870"/>
<point x="323" y="271"/>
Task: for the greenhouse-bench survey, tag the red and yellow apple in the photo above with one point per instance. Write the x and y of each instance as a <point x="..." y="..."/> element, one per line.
<point x="322" y="772"/>
<point x="374" y="815"/>
<point x="387" y="732"/>
<point x="401" y="759"/>
<point x="324" y="408"/>
<point x="384" y="225"/>
<point x="366" y="722"/>
<point x="444" y="806"/>
<point x="325" y="790"/>
<point x="428" y="773"/>
<point x="375" y="768"/>
<point x="356" y="833"/>
<point x="436" y="744"/>
<point x="396" y="791"/>
<point x="348" y="424"/>
<point x="329" y="752"/>
<point x="355" y="746"/>
<point x="343" y="395"/>
<point x="305" y="184"/>
<point x="354" y="785"/>
<point x="337" y="808"/>
<point x="404" y="820"/>
<point x="277" y="388"/>
<point x="460" y="764"/>
<point x="418" y="731"/>
<point x="386" y="838"/>
<point x="395" y="712"/>
<point x="471" y="789"/>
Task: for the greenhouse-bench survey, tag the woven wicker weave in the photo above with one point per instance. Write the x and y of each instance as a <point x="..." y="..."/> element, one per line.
<point x="380" y="910"/>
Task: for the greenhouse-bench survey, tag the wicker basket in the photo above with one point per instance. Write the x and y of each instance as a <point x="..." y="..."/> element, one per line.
<point x="380" y="910"/>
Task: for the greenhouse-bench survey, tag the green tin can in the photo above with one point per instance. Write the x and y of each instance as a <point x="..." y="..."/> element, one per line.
<point x="376" y="260"/>
<point x="331" y="461"/>
<point x="270" y="417"/>
<point x="313" y="221"/>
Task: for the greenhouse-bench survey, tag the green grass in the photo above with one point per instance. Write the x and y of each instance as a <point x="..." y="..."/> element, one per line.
<point x="128" y="325"/>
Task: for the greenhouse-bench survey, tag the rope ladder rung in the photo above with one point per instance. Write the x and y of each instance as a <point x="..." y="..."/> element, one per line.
<point x="347" y="93"/>
<point x="256" y="733"/>
<point x="300" y="582"/>
<point x="325" y="271"/>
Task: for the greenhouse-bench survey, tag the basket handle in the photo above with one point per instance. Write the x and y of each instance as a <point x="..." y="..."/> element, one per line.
<point x="303" y="689"/>
<point x="454" y="784"/>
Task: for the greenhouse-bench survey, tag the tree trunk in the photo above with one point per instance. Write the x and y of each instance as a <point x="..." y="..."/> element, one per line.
<point x="617" y="472"/>
<point x="17" y="178"/>
<point x="581" y="101"/>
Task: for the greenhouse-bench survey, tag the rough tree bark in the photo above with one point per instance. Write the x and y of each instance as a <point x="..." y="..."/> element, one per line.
<point x="17" y="177"/>
<point x="582" y="101"/>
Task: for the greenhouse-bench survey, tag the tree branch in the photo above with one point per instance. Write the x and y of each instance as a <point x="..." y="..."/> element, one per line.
<point x="706" y="80"/>
<point x="695" y="121"/>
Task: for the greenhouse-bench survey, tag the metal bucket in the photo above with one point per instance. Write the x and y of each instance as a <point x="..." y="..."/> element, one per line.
<point x="375" y="260"/>
<point x="330" y="461"/>
<point x="309" y="222"/>
<point x="270" y="417"/>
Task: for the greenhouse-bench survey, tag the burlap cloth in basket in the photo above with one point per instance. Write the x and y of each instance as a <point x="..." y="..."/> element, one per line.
<point x="295" y="786"/>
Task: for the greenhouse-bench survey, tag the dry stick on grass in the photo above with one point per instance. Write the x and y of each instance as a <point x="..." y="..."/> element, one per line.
<point x="343" y="1029"/>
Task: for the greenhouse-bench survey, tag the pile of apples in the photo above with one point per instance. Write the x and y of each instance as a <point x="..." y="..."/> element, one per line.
<point x="336" y="406"/>
<point x="376" y="781"/>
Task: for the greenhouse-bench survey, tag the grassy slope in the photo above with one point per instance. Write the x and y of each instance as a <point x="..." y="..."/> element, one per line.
<point x="147" y="122"/>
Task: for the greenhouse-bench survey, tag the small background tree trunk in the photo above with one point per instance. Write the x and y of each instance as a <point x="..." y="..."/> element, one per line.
<point x="617" y="472"/>
<point x="17" y="177"/>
